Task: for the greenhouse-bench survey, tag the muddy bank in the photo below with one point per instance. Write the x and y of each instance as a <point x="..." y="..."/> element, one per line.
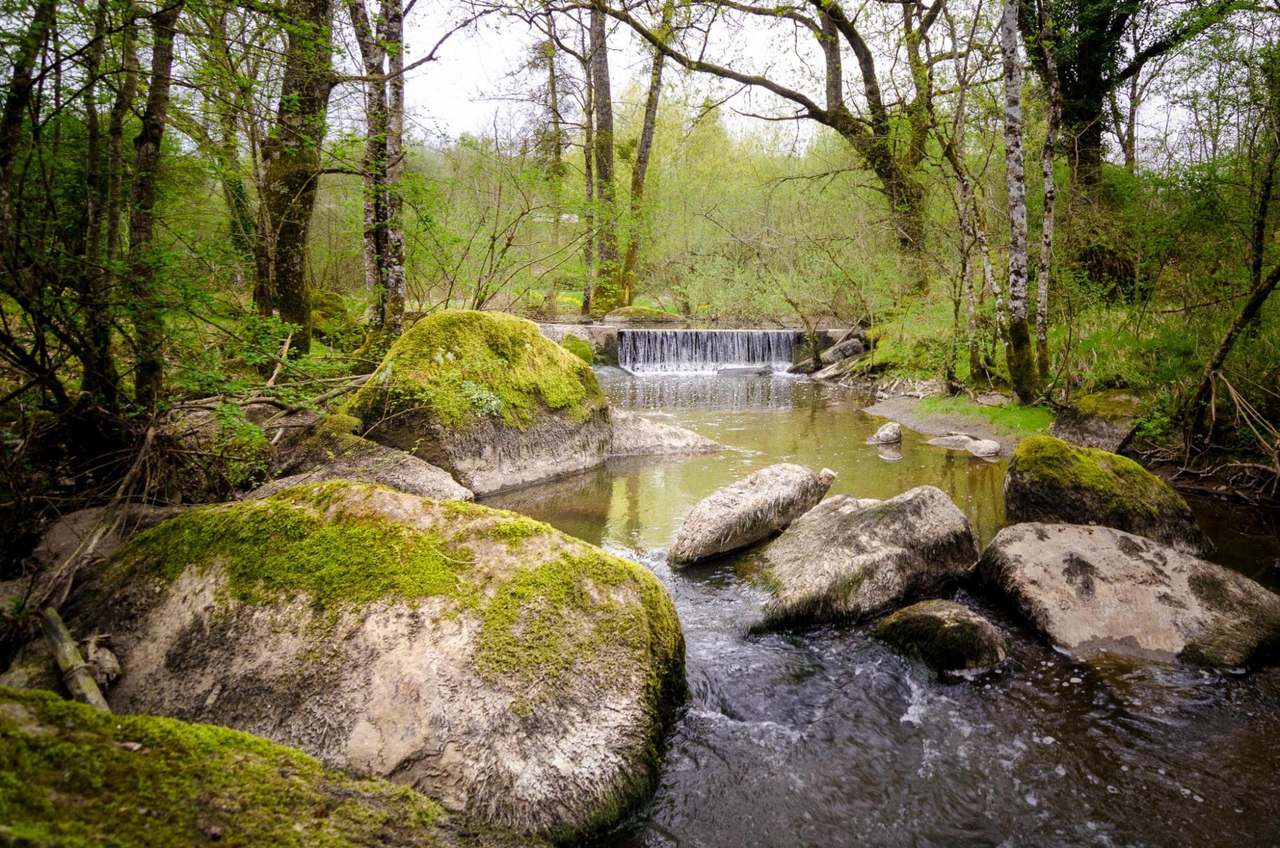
<point x="906" y="411"/>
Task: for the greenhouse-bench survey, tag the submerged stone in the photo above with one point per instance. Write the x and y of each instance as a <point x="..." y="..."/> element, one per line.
<point x="637" y="435"/>
<point x="1096" y="590"/>
<point x="945" y="636"/>
<point x="888" y="434"/>
<point x="508" y="670"/>
<point x="489" y="399"/>
<point x="1052" y="482"/>
<point x="848" y="559"/>
<point x="747" y="511"/>
<point x="74" y="775"/>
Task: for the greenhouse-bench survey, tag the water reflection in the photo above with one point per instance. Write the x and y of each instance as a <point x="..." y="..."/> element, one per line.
<point x="827" y="738"/>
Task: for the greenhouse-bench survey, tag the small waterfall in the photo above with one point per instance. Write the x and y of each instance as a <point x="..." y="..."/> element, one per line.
<point x="647" y="351"/>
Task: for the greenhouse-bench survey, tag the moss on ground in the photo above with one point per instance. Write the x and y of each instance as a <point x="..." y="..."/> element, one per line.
<point x="1109" y="404"/>
<point x="1117" y="481"/>
<point x="463" y="366"/>
<point x="72" y="775"/>
<point x="579" y="347"/>
<point x="641" y="313"/>
<point x="1013" y="419"/>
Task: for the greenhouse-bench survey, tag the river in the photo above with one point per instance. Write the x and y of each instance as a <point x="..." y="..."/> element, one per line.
<point x="827" y="738"/>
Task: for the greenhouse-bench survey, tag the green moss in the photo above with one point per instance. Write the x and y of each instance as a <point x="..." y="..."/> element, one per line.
<point x="580" y="348"/>
<point x="1109" y="404"/>
<point x="71" y="775"/>
<point x="1013" y="419"/>
<point x="286" y="544"/>
<point x="1117" y="481"/>
<point x="338" y="423"/>
<point x="452" y="363"/>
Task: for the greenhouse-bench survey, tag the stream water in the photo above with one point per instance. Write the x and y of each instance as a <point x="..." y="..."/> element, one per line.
<point x="827" y="738"/>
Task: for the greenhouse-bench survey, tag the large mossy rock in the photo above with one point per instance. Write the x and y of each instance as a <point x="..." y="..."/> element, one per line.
<point x="945" y="636"/>
<point x="73" y="775"/>
<point x="1103" y="419"/>
<point x="488" y="398"/>
<point x="1096" y="590"/>
<point x="743" y="513"/>
<point x="1052" y="482"/>
<point x="330" y="450"/>
<point x="510" y="671"/>
<point x="848" y="559"/>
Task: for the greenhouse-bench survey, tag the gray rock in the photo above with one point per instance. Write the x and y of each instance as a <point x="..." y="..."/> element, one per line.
<point x="849" y="347"/>
<point x="747" y="511"/>
<point x="888" y="434"/>
<point x="846" y="559"/>
<point x="329" y="454"/>
<point x="944" y="635"/>
<point x="745" y="371"/>
<point x="1096" y="590"/>
<point x="984" y="448"/>
<point x="516" y="674"/>
<point x="636" y="435"/>
<point x="1104" y="420"/>
<point x="73" y="535"/>
<point x="1053" y="482"/>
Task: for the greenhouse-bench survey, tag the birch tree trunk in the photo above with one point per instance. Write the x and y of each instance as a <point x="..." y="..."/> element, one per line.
<point x="1018" y="355"/>
<point x="1045" y="271"/>
<point x="549" y="306"/>
<point x="589" y="179"/>
<point x="145" y="302"/>
<point x="374" y="167"/>
<point x="393" y="261"/>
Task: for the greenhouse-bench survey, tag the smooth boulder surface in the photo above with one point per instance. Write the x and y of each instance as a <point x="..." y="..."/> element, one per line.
<point x="847" y="559"/>
<point x="1052" y="482"/>
<point x="333" y="452"/>
<point x="888" y="434"/>
<point x="508" y="670"/>
<point x="488" y="398"/>
<point x="982" y="448"/>
<point x="855" y="346"/>
<point x="97" y="528"/>
<point x="1096" y="589"/>
<point x="637" y="435"/>
<point x="74" y="775"/>
<point x="945" y="636"/>
<point x="743" y="513"/>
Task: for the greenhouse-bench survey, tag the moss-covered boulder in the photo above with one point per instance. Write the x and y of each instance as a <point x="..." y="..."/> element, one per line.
<point x="1092" y="590"/>
<point x="579" y="347"/>
<point x="1103" y="419"/>
<point x="73" y="775"/>
<point x="1053" y="482"/>
<point x="510" y="671"/>
<point x="488" y="398"/>
<point x="330" y="450"/>
<point x="945" y="636"/>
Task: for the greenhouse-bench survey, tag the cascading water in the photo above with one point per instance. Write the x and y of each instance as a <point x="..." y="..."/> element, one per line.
<point x="704" y="351"/>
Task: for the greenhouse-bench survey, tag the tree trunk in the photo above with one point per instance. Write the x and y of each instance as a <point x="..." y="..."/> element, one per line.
<point x="1044" y="274"/>
<point x="1019" y="358"/>
<point x="373" y="55"/>
<point x="293" y="158"/>
<point x="15" y="109"/>
<point x="556" y="172"/>
<point x="638" y="173"/>
<point x="393" y="263"/>
<point x="589" y="180"/>
<point x="606" y="295"/>
<point x="145" y="302"/>
<point x="116" y="165"/>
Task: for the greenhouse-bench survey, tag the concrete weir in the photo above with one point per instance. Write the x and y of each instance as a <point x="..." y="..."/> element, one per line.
<point x="644" y="350"/>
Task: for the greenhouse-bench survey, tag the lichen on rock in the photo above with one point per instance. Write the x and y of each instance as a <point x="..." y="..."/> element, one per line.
<point x="488" y="398"/>
<point x="510" y="671"/>
<point x="73" y="775"/>
<point x="1054" y="482"/>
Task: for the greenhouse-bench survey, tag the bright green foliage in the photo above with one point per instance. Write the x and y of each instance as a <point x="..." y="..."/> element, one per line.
<point x="1013" y="419"/>
<point x="463" y="365"/>
<point x="579" y="347"/>
<point x="1116" y="481"/>
<point x="72" y="775"/>
<point x="641" y="313"/>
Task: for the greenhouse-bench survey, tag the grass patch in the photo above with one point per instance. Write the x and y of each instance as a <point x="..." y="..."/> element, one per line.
<point x="1014" y="419"/>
